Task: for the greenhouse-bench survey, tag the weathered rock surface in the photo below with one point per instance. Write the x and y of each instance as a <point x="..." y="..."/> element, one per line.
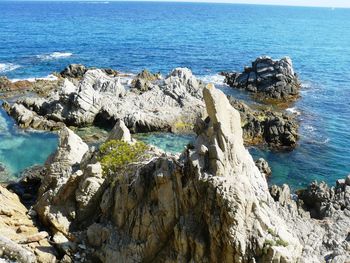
<point x="276" y="129"/>
<point x="268" y="78"/>
<point x="101" y="98"/>
<point x="20" y="239"/>
<point x="10" y="88"/>
<point x="326" y="238"/>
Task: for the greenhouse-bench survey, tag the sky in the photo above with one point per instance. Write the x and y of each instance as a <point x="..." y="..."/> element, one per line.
<point x="322" y="3"/>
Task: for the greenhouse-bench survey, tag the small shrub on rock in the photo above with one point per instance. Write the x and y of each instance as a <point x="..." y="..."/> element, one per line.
<point x="117" y="154"/>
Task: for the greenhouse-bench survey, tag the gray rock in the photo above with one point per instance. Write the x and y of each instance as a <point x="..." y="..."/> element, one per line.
<point x="120" y="132"/>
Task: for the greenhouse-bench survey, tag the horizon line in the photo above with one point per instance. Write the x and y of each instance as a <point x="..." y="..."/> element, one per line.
<point x="187" y="1"/>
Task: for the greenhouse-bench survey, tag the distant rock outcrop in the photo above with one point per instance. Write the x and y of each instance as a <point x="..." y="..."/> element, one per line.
<point x="268" y="78"/>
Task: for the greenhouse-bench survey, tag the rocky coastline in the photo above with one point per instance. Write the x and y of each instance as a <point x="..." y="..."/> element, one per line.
<point x="211" y="203"/>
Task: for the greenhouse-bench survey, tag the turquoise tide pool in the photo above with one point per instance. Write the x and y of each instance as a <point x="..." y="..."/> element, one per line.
<point x="20" y="149"/>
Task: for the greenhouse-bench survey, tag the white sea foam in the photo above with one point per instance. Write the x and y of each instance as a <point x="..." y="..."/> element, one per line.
<point x="293" y="110"/>
<point x="214" y="79"/>
<point x="55" y="55"/>
<point x="49" y="77"/>
<point x="5" y="67"/>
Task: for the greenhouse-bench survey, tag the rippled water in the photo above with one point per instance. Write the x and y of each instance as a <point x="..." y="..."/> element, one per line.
<point x="37" y="38"/>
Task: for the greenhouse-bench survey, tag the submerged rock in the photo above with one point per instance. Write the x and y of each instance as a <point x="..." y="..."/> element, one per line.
<point x="268" y="78"/>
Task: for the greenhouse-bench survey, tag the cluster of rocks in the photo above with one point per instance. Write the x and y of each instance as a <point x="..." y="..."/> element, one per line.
<point x="268" y="79"/>
<point x="102" y="98"/>
<point x="277" y="129"/>
<point x="211" y="204"/>
<point x="146" y="103"/>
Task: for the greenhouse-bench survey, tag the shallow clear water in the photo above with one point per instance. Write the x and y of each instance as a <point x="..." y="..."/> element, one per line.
<point x="208" y="38"/>
<point x="19" y="149"/>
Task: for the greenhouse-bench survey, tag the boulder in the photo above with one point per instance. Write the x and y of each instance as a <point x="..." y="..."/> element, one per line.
<point x="144" y="81"/>
<point x="74" y="71"/>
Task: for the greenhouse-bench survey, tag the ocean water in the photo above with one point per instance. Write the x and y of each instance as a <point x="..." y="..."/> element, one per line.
<point x="37" y="38"/>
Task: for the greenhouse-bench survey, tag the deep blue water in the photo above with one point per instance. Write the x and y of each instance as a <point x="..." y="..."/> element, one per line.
<point x="208" y="38"/>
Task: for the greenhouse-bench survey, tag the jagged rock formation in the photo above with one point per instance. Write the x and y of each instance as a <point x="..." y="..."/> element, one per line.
<point x="268" y="78"/>
<point x="211" y="205"/>
<point x="145" y="103"/>
<point x="100" y="98"/>
<point x="276" y="129"/>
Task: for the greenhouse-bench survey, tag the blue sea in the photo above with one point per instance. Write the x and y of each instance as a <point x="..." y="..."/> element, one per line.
<point x="37" y="38"/>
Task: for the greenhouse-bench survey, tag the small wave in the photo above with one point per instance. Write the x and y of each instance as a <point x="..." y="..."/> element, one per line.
<point x="54" y="55"/>
<point x="293" y="110"/>
<point x="215" y="79"/>
<point x="49" y="78"/>
<point x="5" y="67"/>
